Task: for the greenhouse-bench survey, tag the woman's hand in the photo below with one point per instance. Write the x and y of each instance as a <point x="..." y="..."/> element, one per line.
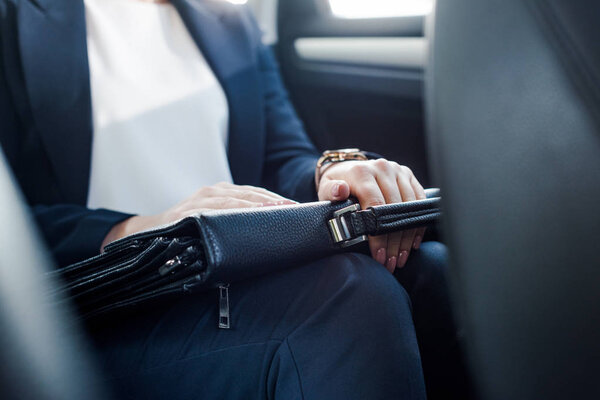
<point x="220" y="196"/>
<point x="377" y="182"/>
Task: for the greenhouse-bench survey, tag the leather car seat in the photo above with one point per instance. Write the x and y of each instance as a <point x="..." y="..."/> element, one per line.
<point x="42" y="356"/>
<point x="513" y="109"/>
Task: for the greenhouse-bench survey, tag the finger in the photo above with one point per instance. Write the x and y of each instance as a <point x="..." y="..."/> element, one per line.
<point x="254" y="196"/>
<point x="420" y="193"/>
<point x="227" y="203"/>
<point x="333" y="190"/>
<point x="369" y="195"/>
<point x="267" y="194"/>
<point x="418" y="189"/>
<point x="215" y="203"/>
<point x="403" y="179"/>
<point x="419" y="238"/>
<point x="392" y="250"/>
<point x="391" y="193"/>
<point x="408" y="238"/>
<point x="193" y="211"/>
<point x="276" y="197"/>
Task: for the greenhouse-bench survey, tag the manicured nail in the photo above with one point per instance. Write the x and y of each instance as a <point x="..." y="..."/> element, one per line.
<point x="417" y="242"/>
<point x="336" y="190"/>
<point x="269" y="204"/>
<point x="391" y="264"/>
<point x="402" y="259"/>
<point x="380" y="256"/>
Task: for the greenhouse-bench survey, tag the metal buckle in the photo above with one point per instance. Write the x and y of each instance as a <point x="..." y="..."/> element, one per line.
<point x="339" y="229"/>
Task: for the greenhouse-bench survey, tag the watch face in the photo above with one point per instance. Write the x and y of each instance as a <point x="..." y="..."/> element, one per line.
<point x="343" y="151"/>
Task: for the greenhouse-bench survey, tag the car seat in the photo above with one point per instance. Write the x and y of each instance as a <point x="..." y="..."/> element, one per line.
<point x="42" y="354"/>
<point x="513" y="115"/>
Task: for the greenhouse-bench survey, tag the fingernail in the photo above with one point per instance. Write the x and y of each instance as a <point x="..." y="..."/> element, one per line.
<point x="380" y="256"/>
<point x="336" y="190"/>
<point x="402" y="259"/>
<point x="269" y="204"/>
<point x="417" y="242"/>
<point x="391" y="264"/>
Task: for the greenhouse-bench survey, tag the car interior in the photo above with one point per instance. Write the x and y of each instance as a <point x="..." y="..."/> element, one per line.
<point x="495" y="102"/>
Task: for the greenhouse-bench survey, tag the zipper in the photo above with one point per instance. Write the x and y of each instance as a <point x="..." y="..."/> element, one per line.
<point x="224" y="319"/>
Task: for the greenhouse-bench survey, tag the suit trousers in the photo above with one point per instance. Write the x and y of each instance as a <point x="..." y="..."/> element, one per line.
<point x="338" y="328"/>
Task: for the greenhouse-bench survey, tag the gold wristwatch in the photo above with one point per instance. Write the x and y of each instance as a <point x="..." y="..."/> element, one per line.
<point x="330" y="157"/>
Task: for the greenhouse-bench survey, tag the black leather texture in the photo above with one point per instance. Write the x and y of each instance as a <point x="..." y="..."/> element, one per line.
<point x="222" y="246"/>
<point x="134" y="272"/>
<point x="513" y="99"/>
<point x="380" y="220"/>
<point x="249" y="242"/>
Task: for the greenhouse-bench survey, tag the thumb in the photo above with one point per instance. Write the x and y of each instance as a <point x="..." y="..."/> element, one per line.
<point x="334" y="190"/>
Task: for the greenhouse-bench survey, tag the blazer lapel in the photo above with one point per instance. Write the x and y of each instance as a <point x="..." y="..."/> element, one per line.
<point x="52" y="41"/>
<point x="217" y="31"/>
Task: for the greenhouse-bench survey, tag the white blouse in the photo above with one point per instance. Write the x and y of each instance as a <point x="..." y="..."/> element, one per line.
<point x="160" y="116"/>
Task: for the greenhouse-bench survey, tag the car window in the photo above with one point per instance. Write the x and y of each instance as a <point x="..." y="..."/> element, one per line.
<point x="379" y="8"/>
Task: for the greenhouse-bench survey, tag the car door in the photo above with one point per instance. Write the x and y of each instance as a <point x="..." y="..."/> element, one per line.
<point x="354" y="70"/>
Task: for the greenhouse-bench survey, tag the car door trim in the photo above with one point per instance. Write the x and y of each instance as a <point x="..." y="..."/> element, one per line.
<point x="403" y="53"/>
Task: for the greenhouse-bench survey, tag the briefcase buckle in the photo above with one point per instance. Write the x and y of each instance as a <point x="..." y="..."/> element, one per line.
<point x="339" y="227"/>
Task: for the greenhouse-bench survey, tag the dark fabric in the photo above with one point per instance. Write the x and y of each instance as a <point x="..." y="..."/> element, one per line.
<point x="45" y="110"/>
<point x="425" y="278"/>
<point x="74" y="232"/>
<point x="339" y="328"/>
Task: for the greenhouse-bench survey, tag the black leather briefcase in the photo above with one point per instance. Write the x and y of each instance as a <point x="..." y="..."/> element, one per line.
<point x="215" y="248"/>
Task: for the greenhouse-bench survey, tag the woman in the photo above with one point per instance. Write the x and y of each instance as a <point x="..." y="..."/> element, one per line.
<point x="112" y="111"/>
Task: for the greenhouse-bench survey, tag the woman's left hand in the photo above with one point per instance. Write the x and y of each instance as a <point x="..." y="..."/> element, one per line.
<point x="373" y="183"/>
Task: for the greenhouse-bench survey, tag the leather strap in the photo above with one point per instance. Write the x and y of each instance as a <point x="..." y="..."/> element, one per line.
<point x="385" y="219"/>
<point x="352" y="225"/>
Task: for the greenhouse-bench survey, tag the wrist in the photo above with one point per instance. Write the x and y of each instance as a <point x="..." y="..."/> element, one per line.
<point x="332" y="157"/>
<point x="125" y="228"/>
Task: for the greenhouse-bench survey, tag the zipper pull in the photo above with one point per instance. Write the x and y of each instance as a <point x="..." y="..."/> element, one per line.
<point x="224" y="322"/>
<point x="170" y="266"/>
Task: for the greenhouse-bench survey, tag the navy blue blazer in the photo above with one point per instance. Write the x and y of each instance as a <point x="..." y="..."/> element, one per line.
<point x="46" y="118"/>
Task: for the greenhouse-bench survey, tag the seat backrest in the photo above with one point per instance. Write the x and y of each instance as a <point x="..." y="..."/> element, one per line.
<point x="513" y="105"/>
<point x="41" y="354"/>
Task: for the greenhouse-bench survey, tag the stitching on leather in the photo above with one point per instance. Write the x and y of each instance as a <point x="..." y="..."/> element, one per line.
<point x="210" y="239"/>
<point x="576" y="66"/>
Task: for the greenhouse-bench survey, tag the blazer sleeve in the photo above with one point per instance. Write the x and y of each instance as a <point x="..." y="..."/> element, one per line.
<point x="291" y="157"/>
<point x="72" y="232"/>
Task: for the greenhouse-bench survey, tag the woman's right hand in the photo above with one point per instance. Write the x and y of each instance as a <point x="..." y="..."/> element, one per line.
<point x="220" y="196"/>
